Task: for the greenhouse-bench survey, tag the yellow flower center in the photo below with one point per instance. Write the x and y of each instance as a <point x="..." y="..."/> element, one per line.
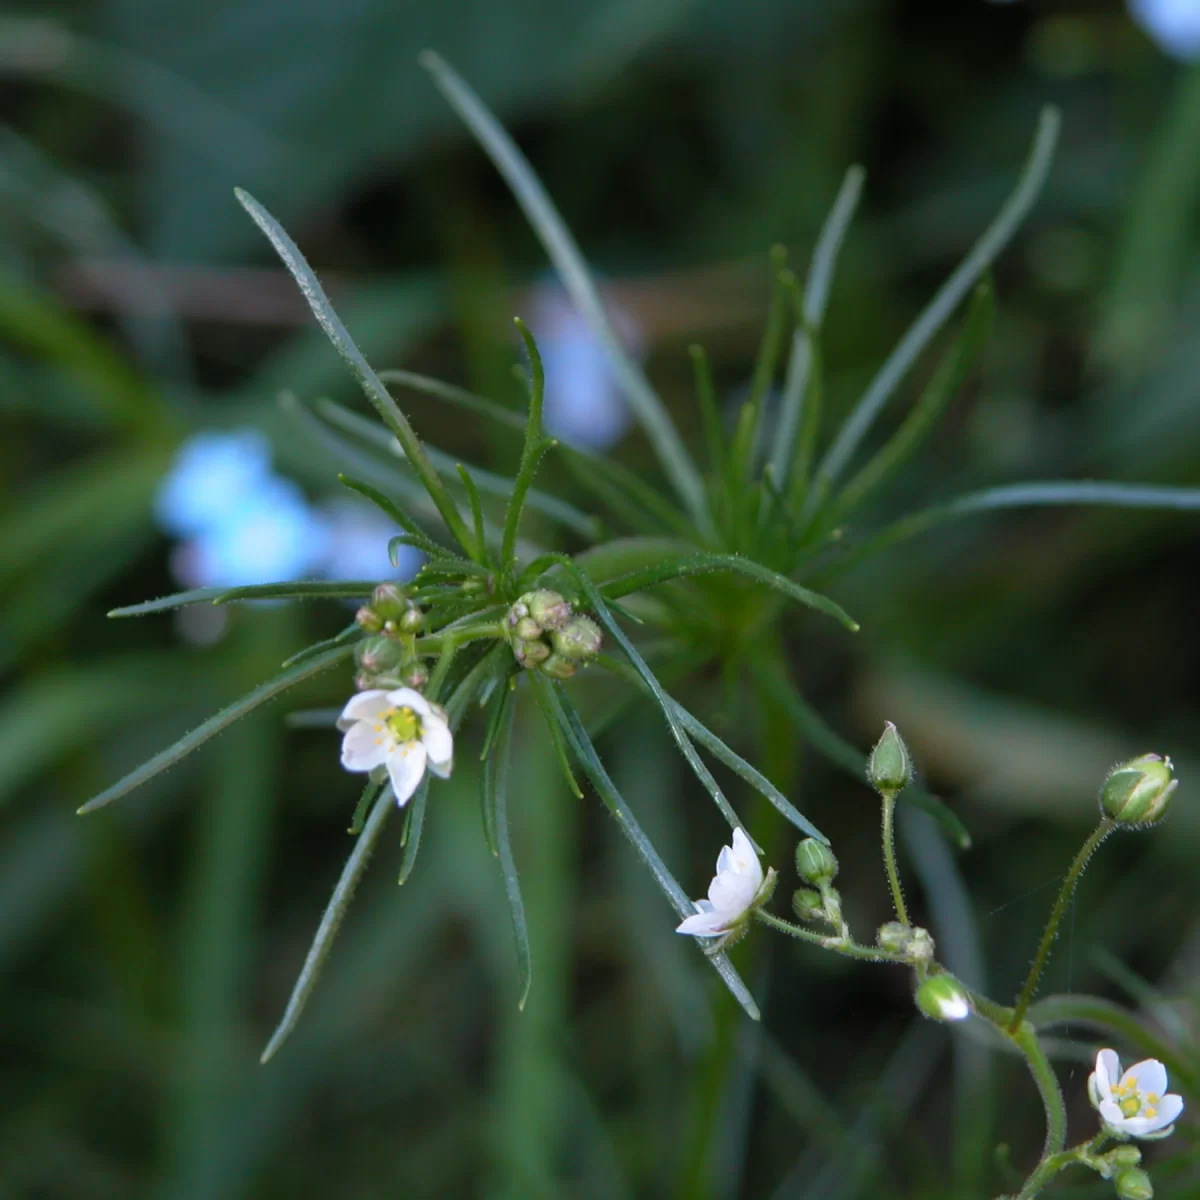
<point x="403" y="724"/>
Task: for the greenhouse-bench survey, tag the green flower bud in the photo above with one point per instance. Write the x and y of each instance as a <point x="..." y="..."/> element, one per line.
<point x="807" y="904"/>
<point x="579" y="638"/>
<point x="388" y="601"/>
<point x="415" y="675"/>
<point x="1125" y="1156"/>
<point x="516" y="613"/>
<point x="943" y="998"/>
<point x="1138" y="792"/>
<point x="527" y="629"/>
<point x="920" y="945"/>
<point x="368" y="619"/>
<point x="889" y="769"/>
<point x="1134" y="1184"/>
<point x="412" y="620"/>
<point x="547" y="608"/>
<point x="529" y="654"/>
<point x="557" y="666"/>
<point x="893" y="937"/>
<point x="815" y="862"/>
<point x="377" y="653"/>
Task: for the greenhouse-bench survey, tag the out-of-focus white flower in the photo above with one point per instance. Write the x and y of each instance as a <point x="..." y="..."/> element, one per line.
<point x="400" y="730"/>
<point x="1137" y="1103"/>
<point x="584" y="406"/>
<point x="736" y="889"/>
<point x="1173" y="24"/>
<point x="213" y="474"/>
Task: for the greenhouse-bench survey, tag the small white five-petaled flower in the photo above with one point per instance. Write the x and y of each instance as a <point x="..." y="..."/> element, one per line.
<point x="1133" y="1104"/>
<point x="737" y="887"/>
<point x="400" y="730"/>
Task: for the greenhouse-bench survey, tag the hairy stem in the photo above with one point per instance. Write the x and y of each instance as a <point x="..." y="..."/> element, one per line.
<point x="834" y="942"/>
<point x="889" y="856"/>
<point x="1056" y="915"/>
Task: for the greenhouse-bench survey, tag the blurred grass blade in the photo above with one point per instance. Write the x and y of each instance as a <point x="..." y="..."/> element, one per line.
<point x="476" y="509"/>
<point x="664" y="702"/>
<point x="351" y="634"/>
<point x="841" y="753"/>
<point x="370" y="383"/>
<point x="710" y="419"/>
<point x="335" y="911"/>
<point x="460" y="397"/>
<point x="767" y="361"/>
<point x="1049" y="494"/>
<point x="366" y="800"/>
<point x="586" y="754"/>
<point x="572" y="270"/>
<point x="812" y="315"/>
<point x="939" y="310"/>
<point x="418" y="537"/>
<point x="317" y="589"/>
<point x="413" y="828"/>
<point x="707" y="564"/>
<point x="949" y="377"/>
<point x="495" y="785"/>
<point x="215" y="724"/>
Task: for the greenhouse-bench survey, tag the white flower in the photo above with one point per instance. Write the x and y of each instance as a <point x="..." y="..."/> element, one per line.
<point x="1133" y="1104"/>
<point x="732" y="894"/>
<point x="401" y="730"/>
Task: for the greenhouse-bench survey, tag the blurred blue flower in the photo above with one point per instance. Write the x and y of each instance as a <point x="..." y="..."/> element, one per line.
<point x="584" y="406"/>
<point x="1173" y="24"/>
<point x="211" y="477"/>
<point x="357" y="544"/>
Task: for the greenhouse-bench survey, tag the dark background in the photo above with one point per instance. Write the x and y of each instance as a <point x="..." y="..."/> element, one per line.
<point x="146" y="952"/>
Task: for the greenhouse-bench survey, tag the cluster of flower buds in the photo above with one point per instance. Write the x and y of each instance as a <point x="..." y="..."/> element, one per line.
<point x="817" y="866"/>
<point x="910" y="940"/>
<point x="387" y="658"/>
<point x="547" y="634"/>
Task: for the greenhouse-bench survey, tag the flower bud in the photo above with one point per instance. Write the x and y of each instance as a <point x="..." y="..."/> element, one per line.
<point x="889" y="769"/>
<point x="388" y="601"/>
<point x="415" y="675"/>
<point x="579" y="638"/>
<point x="1125" y="1156"/>
<point x="557" y="666"/>
<point x="1134" y="1184"/>
<point x="377" y="653"/>
<point x="367" y="618"/>
<point x="547" y="608"/>
<point x="943" y="998"/>
<point x="893" y="937"/>
<point x="412" y="620"/>
<point x="1138" y="792"/>
<point x="815" y="862"/>
<point x="807" y="904"/>
<point x="920" y="945"/>
<point x="527" y="629"/>
<point x="529" y="654"/>
<point x="515" y="613"/>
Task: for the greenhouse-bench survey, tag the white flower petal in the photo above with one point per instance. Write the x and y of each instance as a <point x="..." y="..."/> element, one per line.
<point x="441" y="769"/>
<point x="1094" y="1091"/>
<point x="363" y="749"/>
<point x="366" y="706"/>
<point x="725" y="861"/>
<point x="405" y="766"/>
<point x="1112" y="1114"/>
<point x="407" y="698"/>
<point x="732" y="894"/>
<point x="1108" y="1071"/>
<point x="701" y="925"/>
<point x="439" y="743"/>
<point x="1149" y="1077"/>
<point x="1168" y="1112"/>
<point x="1136" y="1126"/>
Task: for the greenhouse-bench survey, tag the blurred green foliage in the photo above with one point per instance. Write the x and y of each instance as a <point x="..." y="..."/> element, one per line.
<point x="145" y="953"/>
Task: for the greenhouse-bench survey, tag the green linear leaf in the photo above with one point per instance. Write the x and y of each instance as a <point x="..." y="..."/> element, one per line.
<point x="415" y="534"/>
<point x="331" y="921"/>
<point x="951" y="374"/>
<point x="767" y="361"/>
<point x="612" y="799"/>
<point x="543" y="694"/>
<point x="841" y="753"/>
<point x="366" y="800"/>
<point x="535" y="445"/>
<point x="316" y="589"/>
<point x="939" y="310"/>
<point x="215" y="724"/>
<point x="810" y="319"/>
<point x="413" y="828"/>
<point x="460" y="397"/>
<point x="350" y="635"/>
<point x="362" y="371"/>
<point x="496" y="782"/>
<point x="499" y="719"/>
<point x="706" y="564"/>
<point x="572" y="270"/>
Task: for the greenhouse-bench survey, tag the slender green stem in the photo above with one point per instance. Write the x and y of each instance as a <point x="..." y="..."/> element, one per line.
<point x="1052" y="1165"/>
<point x="1056" y="915"/>
<point x="889" y="856"/>
<point x="458" y="637"/>
<point x="839" y="945"/>
<point x="1026" y="1041"/>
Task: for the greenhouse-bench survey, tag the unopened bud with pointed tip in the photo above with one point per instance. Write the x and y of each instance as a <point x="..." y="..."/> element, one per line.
<point x="889" y="769"/>
<point x="580" y="638"/>
<point x="1138" y="792"/>
<point x="388" y="601"/>
<point x="528" y="629"/>
<point x="377" y="653"/>
<point x="943" y="998"/>
<point x="807" y="904"/>
<point x="815" y="862"/>
<point x="412" y="620"/>
<point x="367" y="618"/>
<point x="530" y="654"/>
<point x="547" y="608"/>
<point x="557" y="666"/>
